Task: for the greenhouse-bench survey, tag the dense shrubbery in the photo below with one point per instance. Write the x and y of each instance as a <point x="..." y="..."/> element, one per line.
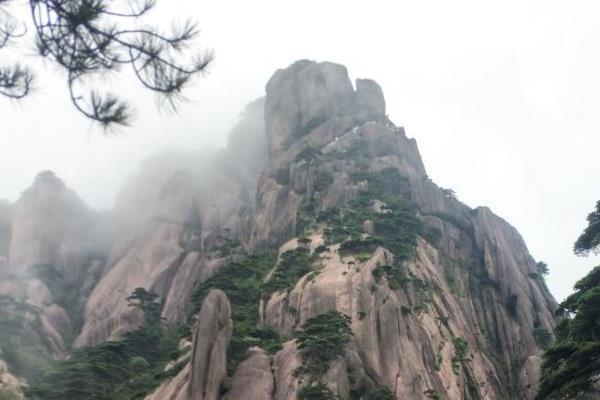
<point x="460" y="353"/>
<point x="396" y="275"/>
<point x="65" y="294"/>
<point x="571" y="365"/>
<point x="243" y="281"/>
<point x="292" y="266"/>
<point x="395" y="225"/>
<point x="358" y="246"/>
<point x="9" y="394"/>
<point x="321" y="340"/>
<point x="542" y="336"/>
<point x="118" y="370"/>
<point x="21" y="344"/>
<point x="589" y="241"/>
<point x="373" y="393"/>
<point x="450" y="267"/>
<point x="317" y="391"/>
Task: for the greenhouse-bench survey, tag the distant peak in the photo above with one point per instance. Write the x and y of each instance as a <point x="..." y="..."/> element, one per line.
<point x="49" y="178"/>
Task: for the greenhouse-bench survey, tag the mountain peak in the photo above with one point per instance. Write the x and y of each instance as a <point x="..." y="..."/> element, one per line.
<point x="305" y="95"/>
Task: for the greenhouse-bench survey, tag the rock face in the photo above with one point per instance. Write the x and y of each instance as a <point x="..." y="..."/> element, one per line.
<point x="458" y="313"/>
<point x="47" y="267"/>
<point x="253" y="379"/>
<point x="202" y="377"/>
<point x="209" y="357"/>
<point x="462" y="326"/>
<point x="48" y="226"/>
<point x="181" y="212"/>
<point x="484" y="289"/>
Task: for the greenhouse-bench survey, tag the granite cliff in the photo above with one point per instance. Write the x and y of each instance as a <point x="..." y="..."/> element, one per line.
<point x="313" y="258"/>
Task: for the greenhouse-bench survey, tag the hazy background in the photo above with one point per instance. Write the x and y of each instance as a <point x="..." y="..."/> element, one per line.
<point x="502" y="97"/>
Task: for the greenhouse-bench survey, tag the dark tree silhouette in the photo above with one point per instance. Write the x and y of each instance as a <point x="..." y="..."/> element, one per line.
<point x="589" y="241"/>
<point x="90" y="38"/>
<point x="571" y="367"/>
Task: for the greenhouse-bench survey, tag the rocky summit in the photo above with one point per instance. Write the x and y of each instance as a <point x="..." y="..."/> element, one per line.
<point x="312" y="258"/>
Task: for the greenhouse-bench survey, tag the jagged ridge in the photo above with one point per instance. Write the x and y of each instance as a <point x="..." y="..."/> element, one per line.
<point x="447" y="310"/>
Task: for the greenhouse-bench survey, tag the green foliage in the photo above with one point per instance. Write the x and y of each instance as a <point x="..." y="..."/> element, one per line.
<point x="363" y="245"/>
<point x="460" y="353"/>
<point x="372" y="393"/>
<point x="396" y="275"/>
<point x="450" y="193"/>
<point x="8" y="394"/>
<point x="305" y="215"/>
<point x="542" y="268"/>
<point x="589" y="241"/>
<point x="308" y="209"/>
<point x="118" y="370"/>
<point x="433" y="394"/>
<point x="64" y="294"/>
<point x="511" y="305"/>
<point x="396" y="227"/>
<point x="583" y="288"/>
<point x="450" y="274"/>
<point x="324" y="180"/>
<point x="572" y="364"/>
<point x="292" y="266"/>
<point x="226" y="246"/>
<point x="316" y="391"/>
<point x="89" y="38"/>
<point x="321" y="340"/>
<point x="21" y="344"/>
<point x="243" y="281"/>
<point x="542" y="336"/>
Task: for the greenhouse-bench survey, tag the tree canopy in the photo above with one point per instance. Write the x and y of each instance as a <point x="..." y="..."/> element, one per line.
<point x="571" y="366"/>
<point x="126" y="369"/>
<point x="91" y="38"/>
<point x="589" y="241"/>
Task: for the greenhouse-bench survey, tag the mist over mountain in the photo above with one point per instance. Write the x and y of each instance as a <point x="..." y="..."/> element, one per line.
<point x="311" y="258"/>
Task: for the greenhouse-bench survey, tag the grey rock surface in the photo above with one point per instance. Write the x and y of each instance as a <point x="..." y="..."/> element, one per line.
<point x="211" y="339"/>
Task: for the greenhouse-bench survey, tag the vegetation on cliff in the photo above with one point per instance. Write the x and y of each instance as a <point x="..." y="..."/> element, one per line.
<point x="321" y="340"/>
<point x="589" y="241"/>
<point x="571" y="365"/>
<point x="383" y="202"/>
<point x="243" y="280"/>
<point x="116" y="370"/>
<point x="21" y="344"/>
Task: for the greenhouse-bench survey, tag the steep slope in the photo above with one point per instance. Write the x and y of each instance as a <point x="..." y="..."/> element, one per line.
<point x="5" y="210"/>
<point x="312" y="258"/>
<point x="445" y="301"/>
<point x="51" y="264"/>
<point x="183" y="209"/>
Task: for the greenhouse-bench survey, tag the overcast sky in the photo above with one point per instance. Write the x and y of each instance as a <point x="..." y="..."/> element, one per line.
<point x="503" y="99"/>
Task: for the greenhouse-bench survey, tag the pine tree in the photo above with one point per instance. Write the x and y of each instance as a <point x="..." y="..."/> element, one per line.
<point x="571" y="366"/>
<point x="91" y="38"/>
